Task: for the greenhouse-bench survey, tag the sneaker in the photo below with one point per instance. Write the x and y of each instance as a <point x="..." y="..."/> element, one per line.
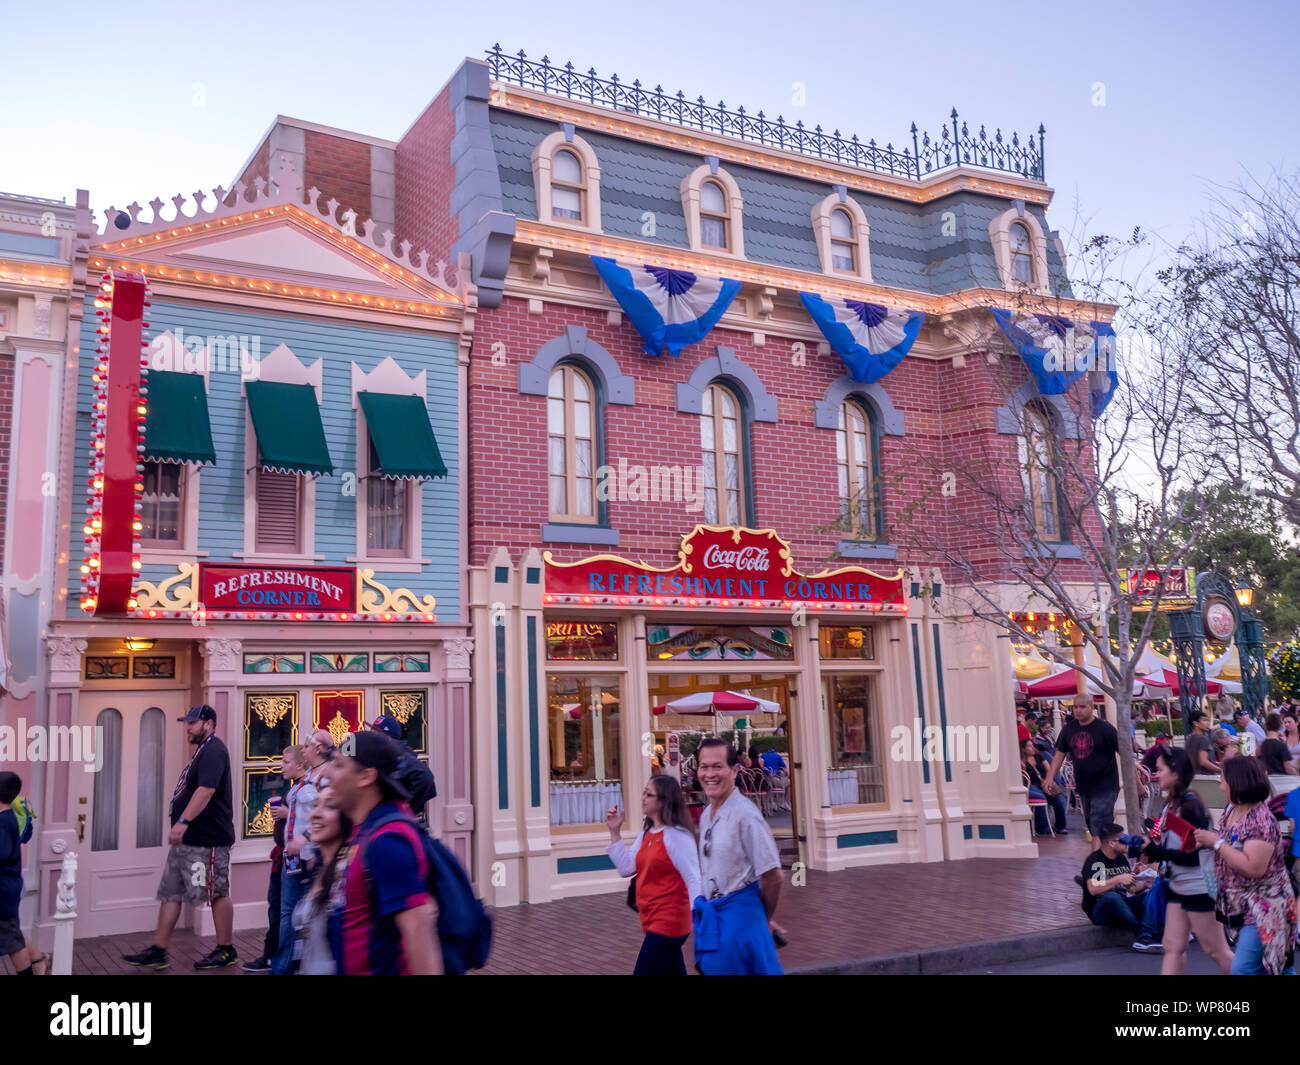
<point x="1147" y="945"/>
<point x="1062" y="831"/>
<point x="150" y="958"/>
<point x="261" y="964"/>
<point x="219" y="958"/>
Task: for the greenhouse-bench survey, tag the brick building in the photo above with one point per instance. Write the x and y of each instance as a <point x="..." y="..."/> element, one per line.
<point x="605" y="475"/>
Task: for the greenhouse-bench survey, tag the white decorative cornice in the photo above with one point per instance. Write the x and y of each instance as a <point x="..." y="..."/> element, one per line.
<point x="286" y="190"/>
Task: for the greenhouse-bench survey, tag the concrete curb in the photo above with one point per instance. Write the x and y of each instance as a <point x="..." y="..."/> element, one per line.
<point x="935" y="960"/>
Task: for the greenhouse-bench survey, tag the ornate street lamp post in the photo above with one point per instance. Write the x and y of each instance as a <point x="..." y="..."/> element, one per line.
<point x="1250" y="650"/>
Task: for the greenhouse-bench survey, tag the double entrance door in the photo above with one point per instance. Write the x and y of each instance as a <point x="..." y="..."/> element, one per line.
<point x="120" y="809"/>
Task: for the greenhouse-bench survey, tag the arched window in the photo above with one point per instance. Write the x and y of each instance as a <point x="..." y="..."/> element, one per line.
<point x="722" y="442"/>
<point x="568" y="190"/>
<point x="858" y="469"/>
<point x="714" y="217"/>
<point x="1022" y="255"/>
<point x="149" y="788"/>
<point x="107" y="788"/>
<point x="844" y="242"/>
<point x="571" y="444"/>
<point x="566" y="181"/>
<point x="1040" y="470"/>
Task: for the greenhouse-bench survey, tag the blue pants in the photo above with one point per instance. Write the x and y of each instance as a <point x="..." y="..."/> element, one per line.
<point x="1249" y="958"/>
<point x="272" y="942"/>
<point x="1056" y="802"/>
<point x="1134" y="913"/>
<point x="292" y="889"/>
<point x="660" y="956"/>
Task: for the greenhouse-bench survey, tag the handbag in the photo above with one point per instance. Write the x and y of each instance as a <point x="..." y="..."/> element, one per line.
<point x="631" y="892"/>
<point x="1205" y="857"/>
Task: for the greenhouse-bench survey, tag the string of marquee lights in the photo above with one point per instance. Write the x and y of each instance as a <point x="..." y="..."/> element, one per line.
<point x="755" y="604"/>
<point x="204" y="614"/>
<point x="116" y="498"/>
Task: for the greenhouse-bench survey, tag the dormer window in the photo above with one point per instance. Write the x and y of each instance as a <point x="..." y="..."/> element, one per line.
<point x="843" y="236"/>
<point x="566" y="186"/>
<point x="712" y="204"/>
<point x="566" y="181"/>
<point x="713" y="216"/>
<point x="1022" y="256"/>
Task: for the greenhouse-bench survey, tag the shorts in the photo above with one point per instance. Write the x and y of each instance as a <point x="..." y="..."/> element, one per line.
<point x="1201" y="903"/>
<point x="196" y="875"/>
<point x="11" y="936"/>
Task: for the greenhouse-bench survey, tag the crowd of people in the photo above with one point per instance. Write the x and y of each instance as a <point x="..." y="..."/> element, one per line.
<point x="1229" y="886"/>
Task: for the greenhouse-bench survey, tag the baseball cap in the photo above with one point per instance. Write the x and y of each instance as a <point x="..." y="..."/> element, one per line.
<point x="1241" y="711"/>
<point x="374" y="750"/>
<point x="388" y="726"/>
<point x="199" y="713"/>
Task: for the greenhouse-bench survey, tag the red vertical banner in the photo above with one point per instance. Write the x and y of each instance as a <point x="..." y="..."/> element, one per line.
<point x="338" y="712"/>
<point x="113" y="504"/>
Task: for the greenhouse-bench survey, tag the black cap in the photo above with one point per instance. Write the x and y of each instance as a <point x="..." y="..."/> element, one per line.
<point x="199" y="713"/>
<point x="374" y="750"/>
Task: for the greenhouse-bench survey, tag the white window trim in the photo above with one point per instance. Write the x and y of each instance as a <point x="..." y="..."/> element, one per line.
<point x="187" y="549"/>
<point x="283" y="367"/>
<point x="541" y="162"/>
<point x="691" y="184"/>
<point x="389" y="378"/>
<point x="1000" y="235"/>
<point x="821" y="222"/>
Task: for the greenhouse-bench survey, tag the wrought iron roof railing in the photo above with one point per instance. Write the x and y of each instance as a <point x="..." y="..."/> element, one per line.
<point x="955" y="146"/>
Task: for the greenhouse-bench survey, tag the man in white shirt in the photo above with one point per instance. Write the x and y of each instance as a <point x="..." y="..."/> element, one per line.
<point x="740" y="874"/>
<point x="1242" y="721"/>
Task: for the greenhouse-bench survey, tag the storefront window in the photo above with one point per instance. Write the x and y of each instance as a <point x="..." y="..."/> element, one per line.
<point x="581" y="641"/>
<point x="844" y="641"/>
<point x="700" y="642"/>
<point x="583" y="716"/>
<point x="855" y="774"/>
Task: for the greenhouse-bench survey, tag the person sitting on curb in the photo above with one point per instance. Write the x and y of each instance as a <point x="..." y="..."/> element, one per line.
<point x="1112" y="896"/>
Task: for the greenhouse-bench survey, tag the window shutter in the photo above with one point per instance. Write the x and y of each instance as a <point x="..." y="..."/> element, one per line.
<point x="277" y="511"/>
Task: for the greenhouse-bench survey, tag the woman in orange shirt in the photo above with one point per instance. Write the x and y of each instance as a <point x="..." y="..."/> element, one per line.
<point x="665" y="859"/>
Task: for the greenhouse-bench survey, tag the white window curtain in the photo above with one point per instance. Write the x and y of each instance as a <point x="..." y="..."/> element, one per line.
<point x="149" y="793"/>
<point x="108" y="782"/>
<point x="584" y="802"/>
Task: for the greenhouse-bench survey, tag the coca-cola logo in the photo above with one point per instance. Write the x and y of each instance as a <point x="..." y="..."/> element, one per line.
<point x="747" y="559"/>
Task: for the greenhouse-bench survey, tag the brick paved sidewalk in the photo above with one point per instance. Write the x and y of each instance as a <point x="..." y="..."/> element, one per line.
<point x="835" y="917"/>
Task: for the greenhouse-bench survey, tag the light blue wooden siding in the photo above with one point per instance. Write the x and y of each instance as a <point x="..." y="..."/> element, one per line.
<point x="913" y="246"/>
<point x="221" y="498"/>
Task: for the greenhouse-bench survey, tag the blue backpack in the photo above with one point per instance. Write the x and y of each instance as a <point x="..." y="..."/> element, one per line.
<point x="464" y="927"/>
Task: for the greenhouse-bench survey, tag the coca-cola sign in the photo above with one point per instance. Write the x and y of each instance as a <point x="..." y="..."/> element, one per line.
<point x="717" y="566"/>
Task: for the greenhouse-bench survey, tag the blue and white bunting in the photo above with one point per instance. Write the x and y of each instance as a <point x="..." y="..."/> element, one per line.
<point x="1050" y="346"/>
<point x="671" y="309"/>
<point x="869" y="338"/>
<point x="1103" y="378"/>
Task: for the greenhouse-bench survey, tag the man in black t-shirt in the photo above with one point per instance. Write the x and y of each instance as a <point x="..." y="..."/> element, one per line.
<point x="198" y="860"/>
<point x="1110" y="895"/>
<point x="1274" y="752"/>
<point x="1092" y="745"/>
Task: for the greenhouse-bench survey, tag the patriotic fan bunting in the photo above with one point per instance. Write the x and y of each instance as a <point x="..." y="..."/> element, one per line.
<point x="1103" y="379"/>
<point x="671" y="309"/>
<point x="1049" y="346"/>
<point x="870" y="338"/>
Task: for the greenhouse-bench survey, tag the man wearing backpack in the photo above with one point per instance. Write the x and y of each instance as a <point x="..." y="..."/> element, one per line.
<point x="383" y="917"/>
<point x="415" y="776"/>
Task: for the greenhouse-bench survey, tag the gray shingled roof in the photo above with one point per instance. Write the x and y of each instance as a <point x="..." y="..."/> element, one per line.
<point x="908" y="247"/>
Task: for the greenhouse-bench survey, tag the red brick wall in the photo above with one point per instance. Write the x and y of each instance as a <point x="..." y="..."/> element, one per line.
<point x="425" y="180"/>
<point x="259" y="166"/>
<point x="340" y="168"/>
<point x="950" y="418"/>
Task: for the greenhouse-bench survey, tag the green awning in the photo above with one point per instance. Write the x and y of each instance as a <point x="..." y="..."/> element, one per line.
<point x="176" y="424"/>
<point x="404" y="442"/>
<point x="286" y="419"/>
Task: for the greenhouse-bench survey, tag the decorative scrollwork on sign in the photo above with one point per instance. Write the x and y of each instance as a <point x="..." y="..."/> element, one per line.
<point x="263" y="824"/>
<point x="401" y="705"/>
<point x="376" y="598"/>
<point x="271" y="708"/>
<point x="338" y="728"/>
<point x="170" y="594"/>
